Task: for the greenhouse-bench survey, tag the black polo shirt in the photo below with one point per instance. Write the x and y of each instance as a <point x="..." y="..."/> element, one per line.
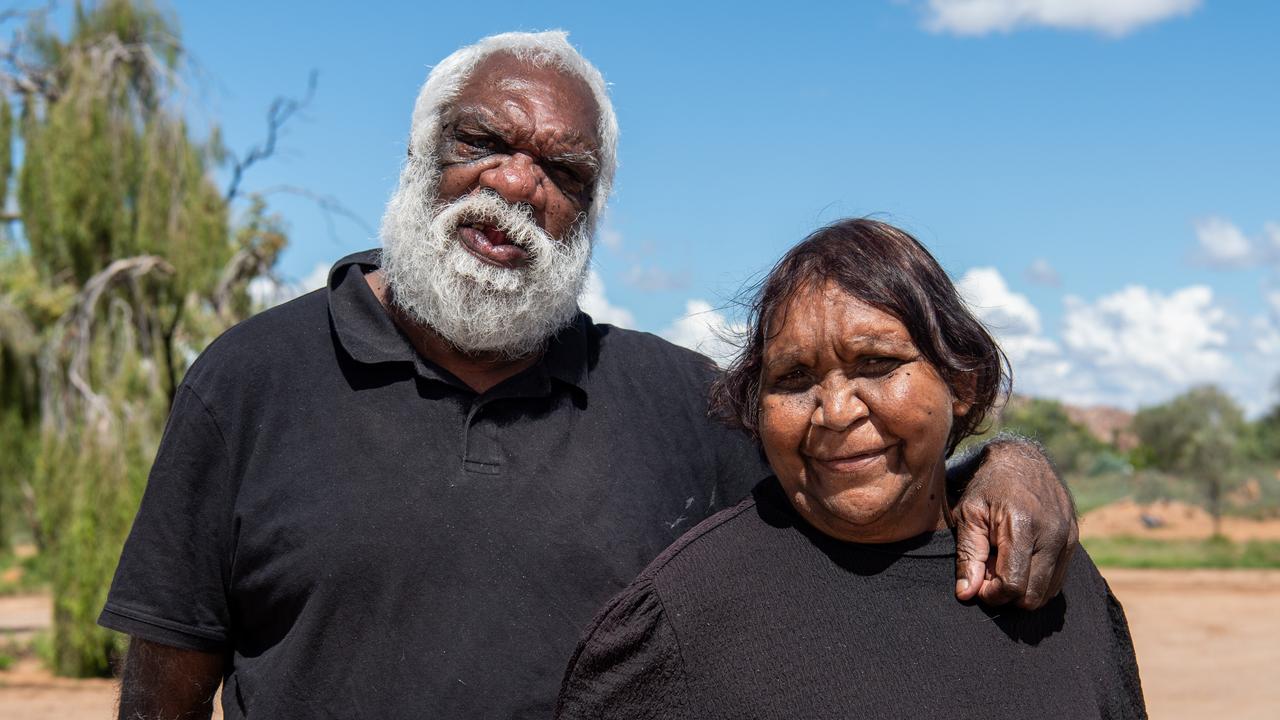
<point x="365" y="536"/>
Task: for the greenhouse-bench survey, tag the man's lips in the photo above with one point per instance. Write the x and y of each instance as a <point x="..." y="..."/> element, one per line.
<point x="491" y="245"/>
<point x="851" y="463"/>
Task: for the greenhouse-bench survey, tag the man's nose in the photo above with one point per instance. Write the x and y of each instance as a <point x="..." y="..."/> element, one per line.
<point x="518" y="179"/>
<point x="840" y="405"/>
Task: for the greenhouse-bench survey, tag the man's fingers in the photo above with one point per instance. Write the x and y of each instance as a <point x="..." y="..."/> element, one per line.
<point x="1060" y="574"/>
<point x="1012" y="571"/>
<point x="972" y="550"/>
<point x="1039" y="580"/>
<point x="1052" y="545"/>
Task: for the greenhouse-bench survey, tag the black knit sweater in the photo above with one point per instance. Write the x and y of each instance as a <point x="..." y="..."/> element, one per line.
<point x="753" y="614"/>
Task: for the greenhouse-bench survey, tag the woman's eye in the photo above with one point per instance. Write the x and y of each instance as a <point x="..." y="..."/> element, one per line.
<point x="793" y="381"/>
<point x="880" y="365"/>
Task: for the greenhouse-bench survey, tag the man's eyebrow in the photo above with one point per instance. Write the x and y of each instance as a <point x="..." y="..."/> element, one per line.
<point x="491" y="122"/>
<point x="586" y="158"/>
<point x="482" y="116"/>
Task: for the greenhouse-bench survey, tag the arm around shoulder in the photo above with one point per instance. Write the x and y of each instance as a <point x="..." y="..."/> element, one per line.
<point x="628" y="666"/>
<point x="1011" y="501"/>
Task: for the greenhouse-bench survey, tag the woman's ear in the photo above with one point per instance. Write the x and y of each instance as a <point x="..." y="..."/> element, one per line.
<point x="963" y="389"/>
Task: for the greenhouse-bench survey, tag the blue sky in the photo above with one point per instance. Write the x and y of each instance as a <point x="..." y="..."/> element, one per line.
<point x="1099" y="175"/>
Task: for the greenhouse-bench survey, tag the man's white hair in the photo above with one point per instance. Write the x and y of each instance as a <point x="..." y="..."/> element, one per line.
<point x="550" y="48"/>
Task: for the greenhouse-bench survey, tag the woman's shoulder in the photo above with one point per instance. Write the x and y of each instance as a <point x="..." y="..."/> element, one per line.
<point x="732" y="536"/>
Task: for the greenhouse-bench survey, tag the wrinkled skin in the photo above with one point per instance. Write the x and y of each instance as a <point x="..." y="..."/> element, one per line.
<point x="1015" y="502"/>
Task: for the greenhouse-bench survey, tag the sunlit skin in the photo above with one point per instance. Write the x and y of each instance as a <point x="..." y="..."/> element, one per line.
<point x="854" y="420"/>
<point x="529" y="134"/>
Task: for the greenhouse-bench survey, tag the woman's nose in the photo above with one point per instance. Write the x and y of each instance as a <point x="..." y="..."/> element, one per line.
<point x="840" y="405"/>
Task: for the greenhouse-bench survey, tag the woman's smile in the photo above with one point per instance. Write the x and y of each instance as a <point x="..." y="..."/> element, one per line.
<point x="856" y="462"/>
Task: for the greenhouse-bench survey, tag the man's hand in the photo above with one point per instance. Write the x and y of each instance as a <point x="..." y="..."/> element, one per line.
<point x="168" y="683"/>
<point x="1016" y="508"/>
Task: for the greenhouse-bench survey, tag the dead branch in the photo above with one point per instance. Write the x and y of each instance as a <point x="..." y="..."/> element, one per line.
<point x="248" y="263"/>
<point x="281" y="110"/>
<point x="75" y="329"/>
<point x="21" y="77"/>
<point x="331" y="207"/>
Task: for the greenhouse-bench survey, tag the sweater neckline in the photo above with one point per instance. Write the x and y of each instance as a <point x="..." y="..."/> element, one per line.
<point x="940" y="543"/>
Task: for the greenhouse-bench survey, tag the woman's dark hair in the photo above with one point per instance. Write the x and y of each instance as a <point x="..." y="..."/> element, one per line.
<point x="888" y="269"/>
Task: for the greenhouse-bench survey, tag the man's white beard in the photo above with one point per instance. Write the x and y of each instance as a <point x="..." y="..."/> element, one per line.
<point x="477" y="307"/>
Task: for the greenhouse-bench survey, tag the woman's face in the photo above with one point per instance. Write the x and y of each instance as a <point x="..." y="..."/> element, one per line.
<point x="853" y="419"/>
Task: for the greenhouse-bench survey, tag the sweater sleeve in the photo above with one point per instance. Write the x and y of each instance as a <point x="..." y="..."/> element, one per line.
<point x="628" y="666"/>
<point x="1127" y="693"/>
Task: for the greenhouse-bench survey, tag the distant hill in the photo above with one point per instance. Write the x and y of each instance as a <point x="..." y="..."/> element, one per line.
<point x="1111" y="425"/>
<point x="1108" y="424"/>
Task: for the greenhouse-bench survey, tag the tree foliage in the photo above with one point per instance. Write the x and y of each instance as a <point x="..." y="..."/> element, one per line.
<point x="1199" y="434"/>
<point x="120" y="264"/>
<point x="1069" y="443"/>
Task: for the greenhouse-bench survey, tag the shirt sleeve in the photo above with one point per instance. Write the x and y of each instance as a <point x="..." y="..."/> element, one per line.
<point x="628" y="666"/>
<point x="170" y="585"/>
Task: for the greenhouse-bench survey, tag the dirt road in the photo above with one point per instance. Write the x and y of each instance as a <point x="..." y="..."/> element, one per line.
<point x="1208" y="645"/>
<point x="1208" y="641"/>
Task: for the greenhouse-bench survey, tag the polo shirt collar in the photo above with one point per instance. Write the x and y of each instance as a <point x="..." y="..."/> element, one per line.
<point x="369" y="335"/>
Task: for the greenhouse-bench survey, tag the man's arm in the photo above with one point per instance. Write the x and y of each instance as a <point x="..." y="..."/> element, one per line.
<point x="162" y="682"/>
<point x="1012" y="505"/>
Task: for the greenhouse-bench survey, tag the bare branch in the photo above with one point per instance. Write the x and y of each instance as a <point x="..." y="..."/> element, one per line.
<point x="248" y="263"/>
<point x="331" y="207"/>
<point x="23" y="78"/>
<point x="75" y="329"/>
<point x="281" y="110"/>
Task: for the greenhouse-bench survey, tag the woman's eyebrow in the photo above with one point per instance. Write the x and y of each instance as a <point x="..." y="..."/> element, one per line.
<point x="874" y="343"/>
<point x="785" y="358"/>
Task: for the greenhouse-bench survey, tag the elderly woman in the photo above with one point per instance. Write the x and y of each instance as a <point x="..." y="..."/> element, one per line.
<point x="827" y="594"/>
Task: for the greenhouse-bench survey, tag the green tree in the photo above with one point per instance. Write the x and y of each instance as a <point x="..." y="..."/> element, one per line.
<point x="1069" y="443"/>
<point x="1198" y="434"/>
<point x="1264" y="433"/>
<point x="119" y="265"/>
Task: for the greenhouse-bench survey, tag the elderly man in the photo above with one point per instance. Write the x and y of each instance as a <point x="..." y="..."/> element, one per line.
<point x="407" y="494"/>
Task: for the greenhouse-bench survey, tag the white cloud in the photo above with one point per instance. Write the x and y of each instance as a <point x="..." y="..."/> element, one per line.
<point x="610" y="238"/>
<point x="652" y="278"/>
<point x="1110" y="17"/>
<point x="594" y="303"/>
<point x="1040" y="272"/>
<point x="1272" y="232"/>
<point x="1037" y="360"/>
<point x="1004" y="311"/>
<point x="1222" y="243"/>
<point x="267" y="292"/>
<point x="1273" y="300"/>
<point x="316" y="279"/>
<point x="1129" y="348"/>
<point x="704" y="329"/>
<point x="1140" y="346"/>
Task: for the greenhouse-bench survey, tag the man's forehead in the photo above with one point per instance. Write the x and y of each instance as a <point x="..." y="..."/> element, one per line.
<point x="500" y="76"/>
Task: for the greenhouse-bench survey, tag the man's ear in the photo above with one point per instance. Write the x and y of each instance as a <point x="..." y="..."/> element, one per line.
<point x="963" y="389"/>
